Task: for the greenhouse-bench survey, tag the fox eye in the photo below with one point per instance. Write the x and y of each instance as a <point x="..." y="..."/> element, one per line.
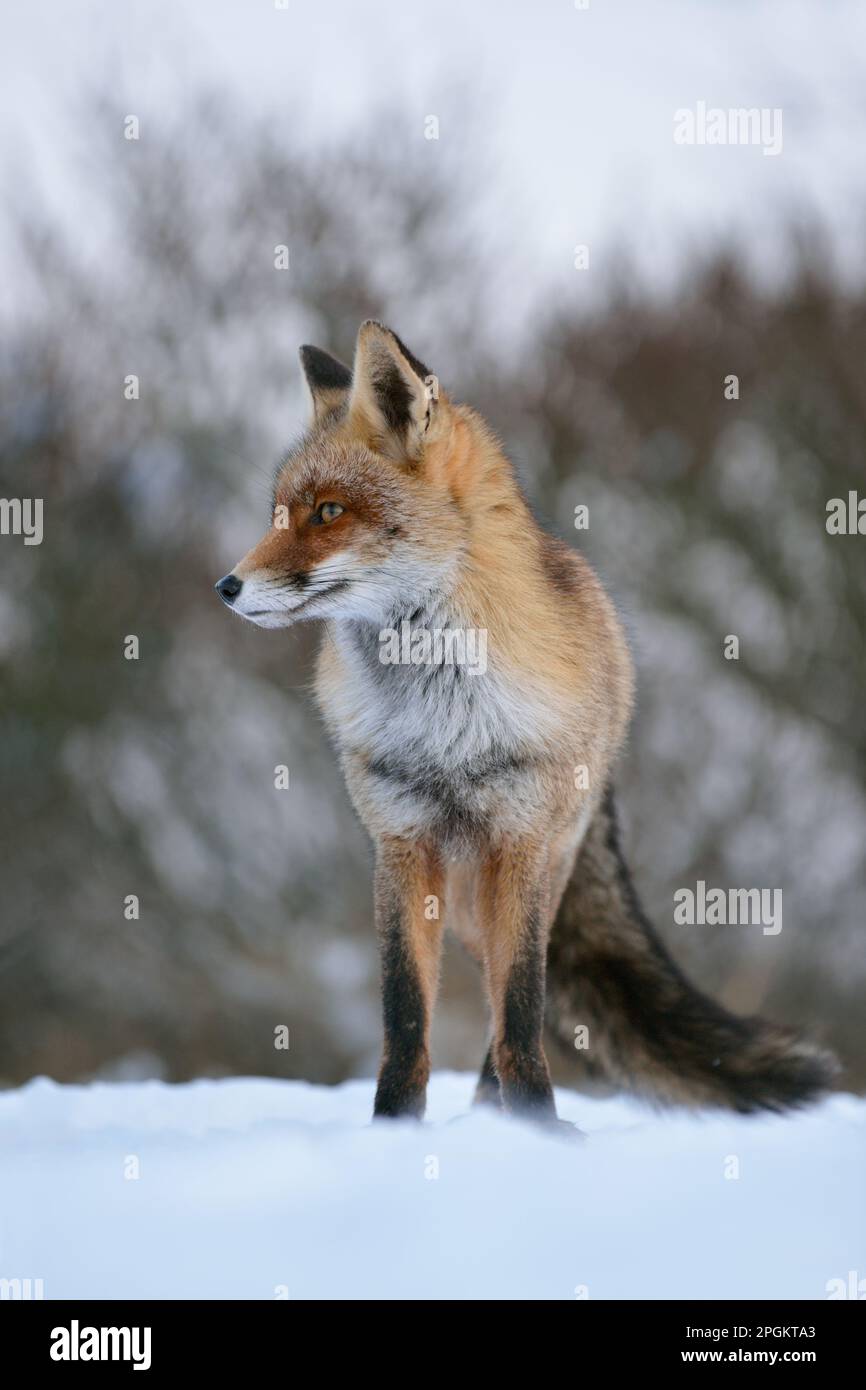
<point x="327" y="512"/>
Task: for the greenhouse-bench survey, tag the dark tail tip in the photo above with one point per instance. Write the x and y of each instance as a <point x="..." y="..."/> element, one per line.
<point x="772" y="1068"/>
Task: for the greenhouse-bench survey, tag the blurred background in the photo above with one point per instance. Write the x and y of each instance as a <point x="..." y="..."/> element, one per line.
<point x="438" y="169"/>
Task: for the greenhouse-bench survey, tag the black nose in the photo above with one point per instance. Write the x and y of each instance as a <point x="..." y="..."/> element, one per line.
<point x="229" y="587"/>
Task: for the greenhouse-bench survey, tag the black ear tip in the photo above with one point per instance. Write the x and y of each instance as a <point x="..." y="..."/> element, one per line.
<point x="323" y="371"/>
<point x="414" y="362"/>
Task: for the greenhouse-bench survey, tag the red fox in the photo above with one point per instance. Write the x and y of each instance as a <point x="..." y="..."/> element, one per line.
<point x="482" y="768"/>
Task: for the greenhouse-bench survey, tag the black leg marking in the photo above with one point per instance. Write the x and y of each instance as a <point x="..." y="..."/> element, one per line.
<point x="405" y="1065"/>
<point x="520" y="1059"/>
<point x="488" y="1091"/>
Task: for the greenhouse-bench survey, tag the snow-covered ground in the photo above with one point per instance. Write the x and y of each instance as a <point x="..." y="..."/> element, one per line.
<point x="263" y="1189"/>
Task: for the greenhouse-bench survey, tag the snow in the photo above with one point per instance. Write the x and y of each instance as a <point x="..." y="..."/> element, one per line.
<point x="263" y="1189"/>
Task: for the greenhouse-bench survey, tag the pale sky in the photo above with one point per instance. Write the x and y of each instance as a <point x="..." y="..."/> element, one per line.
<point x="574" y="107"/>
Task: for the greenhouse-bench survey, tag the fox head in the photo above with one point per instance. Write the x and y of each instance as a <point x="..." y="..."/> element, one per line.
<point x="365" y="520"/>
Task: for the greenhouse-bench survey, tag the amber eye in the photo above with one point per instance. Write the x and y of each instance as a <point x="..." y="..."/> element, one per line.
<point x="327" y="512"/>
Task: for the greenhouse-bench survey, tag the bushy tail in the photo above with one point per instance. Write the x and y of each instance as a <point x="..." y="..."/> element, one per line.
<point x="651" y="1031"/>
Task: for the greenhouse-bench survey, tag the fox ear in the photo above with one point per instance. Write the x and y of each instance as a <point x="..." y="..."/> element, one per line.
<point x="394" y="400"/>
<point x="328" y="380"/>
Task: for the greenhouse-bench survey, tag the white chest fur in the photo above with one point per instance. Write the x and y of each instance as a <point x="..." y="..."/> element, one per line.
<point x="435" y="744"/>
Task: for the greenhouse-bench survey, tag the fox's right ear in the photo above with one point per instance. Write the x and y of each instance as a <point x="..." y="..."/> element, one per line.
<point x="328" y="380"/>
<point x="396" y="404"/>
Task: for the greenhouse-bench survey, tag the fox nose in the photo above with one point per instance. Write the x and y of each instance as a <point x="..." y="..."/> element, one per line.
<point x="229" y="587"/>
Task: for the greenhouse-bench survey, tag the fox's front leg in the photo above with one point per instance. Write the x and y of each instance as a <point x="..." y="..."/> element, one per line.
<point x="514" y="907"/>
<point x="408" y="911"/>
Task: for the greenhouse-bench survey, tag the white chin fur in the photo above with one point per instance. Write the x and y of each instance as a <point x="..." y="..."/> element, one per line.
<point x="281" y="617"/>
<point x="253" y="607"/>
<point x="267" y="619"/>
